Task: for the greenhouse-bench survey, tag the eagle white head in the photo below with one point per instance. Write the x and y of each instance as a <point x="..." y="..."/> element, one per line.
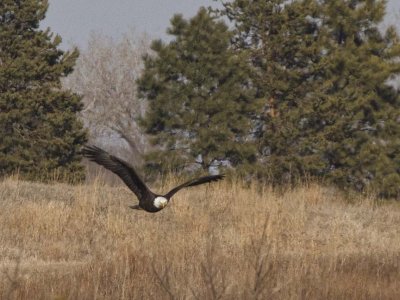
<point x="160" y="202"/>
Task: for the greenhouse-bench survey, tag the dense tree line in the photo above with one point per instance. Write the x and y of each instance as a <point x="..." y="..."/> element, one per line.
<point x="287" y="90"/>
<point x="296" y="88"/>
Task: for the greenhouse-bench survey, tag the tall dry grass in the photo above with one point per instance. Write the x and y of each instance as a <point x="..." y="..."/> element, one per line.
<point x="222" y="241"/>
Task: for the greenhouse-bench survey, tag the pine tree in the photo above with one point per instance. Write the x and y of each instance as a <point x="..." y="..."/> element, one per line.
<point x="351" y="122"/>
<point x="334" y="114"/>
<point x="201" y="100"/>
<point x="39" y="130"/>
<point x="283" y="39"/>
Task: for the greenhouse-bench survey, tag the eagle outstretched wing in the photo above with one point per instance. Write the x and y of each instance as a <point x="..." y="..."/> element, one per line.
<point x="194" y="182"/>
<point x="124" y="170"/>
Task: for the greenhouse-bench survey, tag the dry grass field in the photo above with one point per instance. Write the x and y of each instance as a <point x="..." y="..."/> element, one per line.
<point x="223" y="241"/>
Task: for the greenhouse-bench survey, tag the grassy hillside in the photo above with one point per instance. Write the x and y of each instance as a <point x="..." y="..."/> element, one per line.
<point x="221" y="241"/>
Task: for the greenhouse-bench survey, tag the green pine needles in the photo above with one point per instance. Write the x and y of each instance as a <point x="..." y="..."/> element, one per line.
<point x="333" y="113"/>
<point x="201" y="98"/>
<point x="290" y="90"/>
<point x="39" y="131"/>
<point x="354" y="114"/>
<point x="298" y="89"/>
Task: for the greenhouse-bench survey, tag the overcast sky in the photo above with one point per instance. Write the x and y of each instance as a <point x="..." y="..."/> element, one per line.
<point x="75" y="19"/>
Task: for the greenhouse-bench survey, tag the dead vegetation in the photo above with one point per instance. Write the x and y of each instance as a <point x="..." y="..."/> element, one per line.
<point x="222" y="241"/>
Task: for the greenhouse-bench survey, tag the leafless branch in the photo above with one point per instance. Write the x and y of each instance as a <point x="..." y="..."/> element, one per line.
<point x="106" y="75"/>
<point x="212" y="276"/>
<point x="261" y="268"/>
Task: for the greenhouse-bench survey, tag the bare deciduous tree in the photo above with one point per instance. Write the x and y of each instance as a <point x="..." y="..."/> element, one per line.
<point x="105" y="75"/>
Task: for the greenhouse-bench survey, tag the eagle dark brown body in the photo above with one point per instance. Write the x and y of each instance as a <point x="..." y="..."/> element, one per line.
<point x="148" y="200"/>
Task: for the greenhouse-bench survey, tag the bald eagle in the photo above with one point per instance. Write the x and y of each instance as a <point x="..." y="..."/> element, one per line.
<point x="148" y="200"/>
